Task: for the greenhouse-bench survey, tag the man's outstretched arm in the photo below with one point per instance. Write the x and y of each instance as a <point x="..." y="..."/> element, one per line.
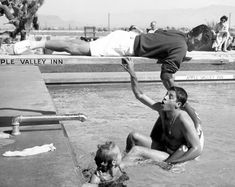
<point x="128" y="65"/>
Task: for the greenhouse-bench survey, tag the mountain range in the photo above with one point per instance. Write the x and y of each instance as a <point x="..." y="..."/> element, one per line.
<point x="172" y="18"/>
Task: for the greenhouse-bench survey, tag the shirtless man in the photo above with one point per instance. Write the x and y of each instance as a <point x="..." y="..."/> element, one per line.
<point x="173" y="138"/>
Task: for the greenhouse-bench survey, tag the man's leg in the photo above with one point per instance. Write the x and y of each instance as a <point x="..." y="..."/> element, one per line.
<point x="74" y="47"/>
<point x="135" y="138"/>
<point x="148" y="153"/>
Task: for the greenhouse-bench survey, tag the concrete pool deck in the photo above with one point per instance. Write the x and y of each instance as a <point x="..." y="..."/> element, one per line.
<point x="23" y="92"/>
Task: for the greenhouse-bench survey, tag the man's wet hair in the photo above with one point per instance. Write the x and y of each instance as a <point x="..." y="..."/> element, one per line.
<point x="207" y="34"/>
<point x="181" y="94"/>
<point x="105" y="155"/>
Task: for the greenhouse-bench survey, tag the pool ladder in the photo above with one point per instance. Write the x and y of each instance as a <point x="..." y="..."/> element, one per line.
<point x="19" y="119"/>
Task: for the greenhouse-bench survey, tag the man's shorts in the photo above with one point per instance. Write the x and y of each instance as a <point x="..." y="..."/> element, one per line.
<point x="117" y="43"/>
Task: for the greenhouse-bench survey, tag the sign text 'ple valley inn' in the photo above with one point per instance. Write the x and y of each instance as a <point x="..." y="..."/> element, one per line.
<point x="31" y="61"/>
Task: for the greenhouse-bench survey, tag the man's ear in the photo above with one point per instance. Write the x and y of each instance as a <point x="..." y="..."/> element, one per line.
<point x="114" y="162"/>
<point x="179" y="104"/>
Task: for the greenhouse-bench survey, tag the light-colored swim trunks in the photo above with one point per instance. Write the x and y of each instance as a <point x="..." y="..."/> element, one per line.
<point x="117" y="43"/>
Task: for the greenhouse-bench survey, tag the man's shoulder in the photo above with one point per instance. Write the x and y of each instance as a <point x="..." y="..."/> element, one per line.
<point x="184" y="118"/>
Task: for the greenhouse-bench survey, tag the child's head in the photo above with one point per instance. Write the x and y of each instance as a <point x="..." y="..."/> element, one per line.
<point x="107" y="156"/>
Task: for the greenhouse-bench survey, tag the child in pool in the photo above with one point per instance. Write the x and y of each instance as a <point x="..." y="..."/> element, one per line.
<point x="109" y="170"/>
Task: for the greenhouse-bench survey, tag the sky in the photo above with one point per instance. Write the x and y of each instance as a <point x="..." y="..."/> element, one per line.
<point x="86" y="9"/>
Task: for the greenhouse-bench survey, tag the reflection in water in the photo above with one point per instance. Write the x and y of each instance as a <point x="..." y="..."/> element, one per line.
<point x="113" y="112"/>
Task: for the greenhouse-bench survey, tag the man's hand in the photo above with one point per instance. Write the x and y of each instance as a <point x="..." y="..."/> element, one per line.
<point x="128" y="65"/>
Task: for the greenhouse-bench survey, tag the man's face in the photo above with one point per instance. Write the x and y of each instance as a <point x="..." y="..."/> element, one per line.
<point x="169" y="102"/>
<point x="223" y="20"/>
<point x="195" y="43"/>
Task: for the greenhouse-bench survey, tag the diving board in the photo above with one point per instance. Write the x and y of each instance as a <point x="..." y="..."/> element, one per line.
<point x="64" y="58"/>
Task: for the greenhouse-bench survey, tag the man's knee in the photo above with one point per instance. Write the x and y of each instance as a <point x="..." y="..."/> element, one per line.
<point x="133" y="136"/>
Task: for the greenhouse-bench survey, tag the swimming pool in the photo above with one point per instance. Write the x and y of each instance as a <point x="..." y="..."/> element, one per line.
<point x="113" y="112"/>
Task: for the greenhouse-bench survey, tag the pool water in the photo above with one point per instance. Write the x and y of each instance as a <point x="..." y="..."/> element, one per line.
<point x="113" y="112"/>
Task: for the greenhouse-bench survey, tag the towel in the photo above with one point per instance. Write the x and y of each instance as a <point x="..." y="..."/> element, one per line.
<point x="4" y="135"/>
<point x="31" y="151"/>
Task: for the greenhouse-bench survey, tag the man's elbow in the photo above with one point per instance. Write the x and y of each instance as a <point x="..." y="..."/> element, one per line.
<point x="138" y="95"/>
<point x="197" y="151"/>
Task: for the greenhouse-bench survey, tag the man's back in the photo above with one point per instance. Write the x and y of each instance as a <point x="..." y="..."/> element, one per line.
<point x="161" y="45"/>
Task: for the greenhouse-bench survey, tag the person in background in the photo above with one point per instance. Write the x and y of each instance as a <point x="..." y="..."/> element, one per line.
<point x="222" y="35"/>
<point x="152" y="28"/>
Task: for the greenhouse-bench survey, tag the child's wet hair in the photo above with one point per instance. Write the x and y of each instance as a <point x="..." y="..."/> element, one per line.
<point x="105" y="156"/>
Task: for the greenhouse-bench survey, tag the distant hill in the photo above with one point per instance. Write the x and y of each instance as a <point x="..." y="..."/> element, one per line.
<point x="173" y="18"/>
<point x="51" y="21"/>
<point x="56" y="22"/>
